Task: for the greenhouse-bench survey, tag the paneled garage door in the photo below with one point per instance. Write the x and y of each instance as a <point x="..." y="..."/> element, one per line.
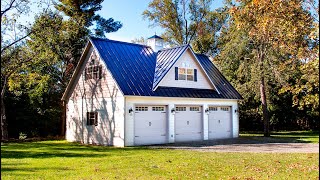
<point x="150" y="125"/>
<point x="220" y="123"/>
<point x="188" y="123"/>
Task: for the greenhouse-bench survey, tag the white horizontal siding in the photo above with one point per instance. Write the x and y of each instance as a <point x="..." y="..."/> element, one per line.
<point x="103" y="96"/>
<point x="202" y="80"/>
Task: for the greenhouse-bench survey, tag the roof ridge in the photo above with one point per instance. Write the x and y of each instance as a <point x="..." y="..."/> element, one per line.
<point x="116" y="41"/>
<point x="165" y="49"/>
<point x="201" y="54"/>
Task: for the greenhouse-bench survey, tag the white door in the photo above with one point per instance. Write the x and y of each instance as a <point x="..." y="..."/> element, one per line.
<point x="150" y="125"/>
<point x="220" y="124"/>
<point x="188" y="123"/>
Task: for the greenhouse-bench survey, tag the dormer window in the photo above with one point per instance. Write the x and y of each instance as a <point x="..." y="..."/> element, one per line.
<point x="188" y="74"/>
<point x="93" y="70"/>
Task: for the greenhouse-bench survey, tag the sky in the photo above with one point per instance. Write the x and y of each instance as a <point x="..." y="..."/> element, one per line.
<point x="129" y="13"/>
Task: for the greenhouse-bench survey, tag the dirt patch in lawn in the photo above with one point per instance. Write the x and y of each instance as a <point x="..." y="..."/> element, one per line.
<point x="246" y="144"/>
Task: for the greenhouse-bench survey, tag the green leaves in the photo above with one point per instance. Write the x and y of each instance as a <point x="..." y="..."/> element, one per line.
<point x="185" y="22"/>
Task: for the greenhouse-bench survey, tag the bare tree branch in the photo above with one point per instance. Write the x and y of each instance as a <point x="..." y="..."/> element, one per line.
<point x="8" y="8"/>
<point x="16" y="41"/>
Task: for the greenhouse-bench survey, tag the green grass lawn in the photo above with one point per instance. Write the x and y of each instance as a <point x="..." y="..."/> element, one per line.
<point x="63" y="160"/>
<point x="287" y="136"/>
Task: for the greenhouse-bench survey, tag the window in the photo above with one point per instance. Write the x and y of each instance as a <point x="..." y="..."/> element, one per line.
<point x="224" y="109"/>
<point x="92" y="118"/>
<point x="186" y="74"/>
<point x="141" y="108"/>
<point x="194" y="108"/>
<point x="190" y="74"/>
<point x="181" y="108"/>
<point x="157" y="108"/>
<point x="183" y="73"/>
<point x="213" y="109"/>
<point x="93" y="71"/>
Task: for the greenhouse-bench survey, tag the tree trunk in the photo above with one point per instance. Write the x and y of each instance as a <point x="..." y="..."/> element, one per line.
<point x="63" y="119"/>
<point x="265" y="113"/>
<point x="4" y="125"/>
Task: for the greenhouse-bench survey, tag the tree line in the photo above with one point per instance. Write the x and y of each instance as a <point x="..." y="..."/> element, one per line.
<point x="267" y="49"/>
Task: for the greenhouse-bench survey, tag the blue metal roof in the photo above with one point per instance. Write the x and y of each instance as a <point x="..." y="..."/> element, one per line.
<point x="136" y="67"/>
<point x="225" y="88"/>
<point x="166" y="58"/>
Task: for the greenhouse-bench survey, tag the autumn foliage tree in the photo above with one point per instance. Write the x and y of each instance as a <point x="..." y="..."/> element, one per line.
<point x="274" y="27"/>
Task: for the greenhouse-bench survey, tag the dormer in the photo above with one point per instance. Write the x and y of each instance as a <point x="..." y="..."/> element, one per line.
<point x="155" y="42"/>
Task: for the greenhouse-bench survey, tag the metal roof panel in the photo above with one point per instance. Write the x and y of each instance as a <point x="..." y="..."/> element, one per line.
<point x="136" y="69"/>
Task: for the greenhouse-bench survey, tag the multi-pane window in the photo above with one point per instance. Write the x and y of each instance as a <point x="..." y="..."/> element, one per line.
<point x="186" y="74"/>
<point x="182" y="74"/>
<point x="224" y="109"/>
<point x="141" y="108"/>
<point x="213" y="109"/>
<point x="92" y="118"/>
<point x="155" y="108"/>
<point x="93" y="70"/>
<point x="181" y="108"/>
<point x="195" y="108"/>
<point x="190" y="74"/>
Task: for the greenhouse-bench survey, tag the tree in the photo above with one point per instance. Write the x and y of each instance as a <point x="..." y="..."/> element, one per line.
<point x="141" y="40"/>
<point x="13" y="35"/>
<point x="85" y="12"/>
<point x="180" y="19"/>
<point x="274" y="28"/>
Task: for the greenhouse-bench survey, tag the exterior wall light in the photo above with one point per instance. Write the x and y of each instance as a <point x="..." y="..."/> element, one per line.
<point x="236" y="110"/>
<point x="130" y="111"/>
<point x="173" y="111"/>
<point x="207" y="111"/>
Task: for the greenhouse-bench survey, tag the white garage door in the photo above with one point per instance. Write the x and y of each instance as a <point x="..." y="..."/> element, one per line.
<point x="150" y="125"/>
<point x="220" y="124"/>
<point x="188" y="123"/>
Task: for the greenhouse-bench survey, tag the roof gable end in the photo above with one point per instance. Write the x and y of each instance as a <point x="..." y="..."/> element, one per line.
<point x="168" y="58"/>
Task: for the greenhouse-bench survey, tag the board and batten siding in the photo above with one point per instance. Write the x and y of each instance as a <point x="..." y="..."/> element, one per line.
<point x="189" y="59"/>
<point x="131" y="102"/>
<point x="100" y="95"/>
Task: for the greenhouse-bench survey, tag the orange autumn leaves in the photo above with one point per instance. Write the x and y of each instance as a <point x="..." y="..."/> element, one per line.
<point x="279" y="24"/>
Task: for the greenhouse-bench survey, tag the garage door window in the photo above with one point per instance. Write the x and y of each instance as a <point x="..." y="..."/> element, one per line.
<point x="157" y="108"/>
<point x="194" y="109"/>
<point x="141" y="108"/>
<point x="213" y="109"/>
<point x="224" y="109"/>
<point x="181" y="108"/>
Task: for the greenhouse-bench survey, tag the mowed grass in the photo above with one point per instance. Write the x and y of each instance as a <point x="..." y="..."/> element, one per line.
<point x="63" y="160"/>
<point x="286" y="136"/>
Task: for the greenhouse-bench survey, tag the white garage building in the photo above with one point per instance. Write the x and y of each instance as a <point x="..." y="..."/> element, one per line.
<point x="126" y="94"/>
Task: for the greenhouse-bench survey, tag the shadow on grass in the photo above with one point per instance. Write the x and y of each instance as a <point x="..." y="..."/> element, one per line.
<point x="33" y="169"/>
<point x="51" y="149"/>
<point x="256" y="138"/>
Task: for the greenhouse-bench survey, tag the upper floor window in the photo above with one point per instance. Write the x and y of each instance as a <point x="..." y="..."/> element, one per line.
<point x="186" y="74"/>
<point x="93" y="70"/>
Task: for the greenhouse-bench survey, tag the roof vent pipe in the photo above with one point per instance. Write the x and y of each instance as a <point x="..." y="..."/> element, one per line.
<point x="155" y="42"/>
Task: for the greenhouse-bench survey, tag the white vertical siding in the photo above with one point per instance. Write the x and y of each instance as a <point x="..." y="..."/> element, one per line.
<point x="235" y="120"/>
<point x="171" y="127"/>
<point x="103" y="96"/>
<point x="205" y="123"/>
<point x="202" y="80"/>
<point x="171" y="102"/>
